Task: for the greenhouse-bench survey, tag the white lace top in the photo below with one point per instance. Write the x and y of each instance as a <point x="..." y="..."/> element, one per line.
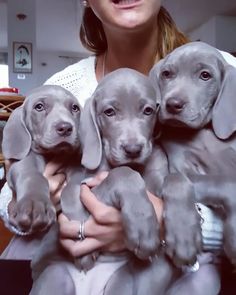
<point x="80" y="79"/>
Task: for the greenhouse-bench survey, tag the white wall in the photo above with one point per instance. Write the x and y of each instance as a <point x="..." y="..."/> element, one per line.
<point x="3" y="26"/>
<point x="226" y="33"/>
<point x="37" y="29"/>
<point x="219" y="31"/>
<point x="51" y="62"/>
<point x="22" y="31"/>
<point x="205" y="33"/>
<point x="57" y="25"/>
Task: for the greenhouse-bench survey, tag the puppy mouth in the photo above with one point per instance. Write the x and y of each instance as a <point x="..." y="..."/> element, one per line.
<point x="174" y="123"/>
<point x="59" y="146"/>
<point x="64" y="146"/>
<point x="180" y="121"/>
<point x="134" y="163"/>
<point x="131" y="161"/>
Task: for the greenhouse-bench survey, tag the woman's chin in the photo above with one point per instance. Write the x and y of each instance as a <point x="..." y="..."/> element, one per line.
<point x="130" y="24"/>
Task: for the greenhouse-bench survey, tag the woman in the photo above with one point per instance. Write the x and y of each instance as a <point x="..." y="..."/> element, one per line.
<point x="133" y="34"/>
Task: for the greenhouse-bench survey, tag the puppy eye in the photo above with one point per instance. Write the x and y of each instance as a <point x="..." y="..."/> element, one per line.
<point x="166" y="74"/>
<point x="148" y="111"/>
<point x="75" y="108"/>
<point x="39" y="107"/>
<point x="205" y="75"/>
<point x="110" y="112"/>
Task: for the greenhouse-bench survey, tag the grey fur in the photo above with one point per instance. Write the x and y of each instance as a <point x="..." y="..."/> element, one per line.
<point x="196" y="88"/>
<point x="43" y="127"/>
<point x="117" y="126"/>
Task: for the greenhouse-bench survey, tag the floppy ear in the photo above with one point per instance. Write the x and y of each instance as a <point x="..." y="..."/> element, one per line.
<point x="154" y="77"/>
<point x="155" y="71"/>
<point x="16" y="142"/>
<point x="223" y="114"/>
<point x="157" y="127"/>
<point x="90" y="137"/>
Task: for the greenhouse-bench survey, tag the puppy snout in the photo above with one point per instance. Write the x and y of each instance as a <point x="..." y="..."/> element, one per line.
<point x="64" y="129"/>
<point x="175" y="105"/>
<point x="132" y="150"/>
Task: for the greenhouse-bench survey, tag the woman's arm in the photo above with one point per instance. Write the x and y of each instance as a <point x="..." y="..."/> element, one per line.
<point x="104" y="227"/>
<point x="104" y="230"/>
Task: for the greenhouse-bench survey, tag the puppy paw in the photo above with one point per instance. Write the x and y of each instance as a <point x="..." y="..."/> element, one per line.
<point x="29" y="215"/>
<point x="182" y="223"/>
<point x="183" y="240"/>
<point x="142" y="231"/>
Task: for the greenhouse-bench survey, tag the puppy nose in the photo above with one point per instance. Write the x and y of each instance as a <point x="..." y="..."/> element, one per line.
<point x="64" y="128"/>
<point x="175" y="105"/>
<point x="133" y="150"/>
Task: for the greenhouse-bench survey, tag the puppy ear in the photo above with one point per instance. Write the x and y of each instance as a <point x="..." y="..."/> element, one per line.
<point x="16" y="140"/>
<point x="157" y="127"/>
<point x="155" y="71"/>
<point x="154" y="77"/>
<point x="223" y="115"/>
<point x="90" y="137"/>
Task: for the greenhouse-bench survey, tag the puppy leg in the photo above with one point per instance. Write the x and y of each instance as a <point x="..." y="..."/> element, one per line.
<point x="125" y="190"/>
<point x="181" y="220"/>
<point x="33" y="210"/>
<point x="205" y="281"/>
<point x="75" y="210"/>
<point x="217" y="190"/>
<point x="139" y="277"/>
<point x="55" y="279"/>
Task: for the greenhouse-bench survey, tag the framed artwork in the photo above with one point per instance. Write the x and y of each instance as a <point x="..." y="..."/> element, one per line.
<point x="22" y="57"/>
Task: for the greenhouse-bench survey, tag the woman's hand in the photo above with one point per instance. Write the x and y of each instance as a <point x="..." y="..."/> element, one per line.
<point x="103" y="229"/>
<point x="56" y="179"/>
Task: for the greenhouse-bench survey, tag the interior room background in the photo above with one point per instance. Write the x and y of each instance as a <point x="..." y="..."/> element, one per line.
<point x="52" y="27"/>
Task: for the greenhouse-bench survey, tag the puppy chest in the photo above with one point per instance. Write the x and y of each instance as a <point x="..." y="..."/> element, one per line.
<point x="203" y="154"/>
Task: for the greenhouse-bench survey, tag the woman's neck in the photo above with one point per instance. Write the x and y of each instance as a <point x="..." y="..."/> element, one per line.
<point x="134" y="50"/>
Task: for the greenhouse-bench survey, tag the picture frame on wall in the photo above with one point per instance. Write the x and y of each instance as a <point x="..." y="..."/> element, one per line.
<point x="22" y="57"/>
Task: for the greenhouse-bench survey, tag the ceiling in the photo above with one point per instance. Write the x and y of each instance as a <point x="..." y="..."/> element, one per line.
<point x="57" y="35"/>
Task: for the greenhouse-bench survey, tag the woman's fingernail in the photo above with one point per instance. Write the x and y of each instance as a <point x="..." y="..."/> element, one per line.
<point x="88" y="179"/>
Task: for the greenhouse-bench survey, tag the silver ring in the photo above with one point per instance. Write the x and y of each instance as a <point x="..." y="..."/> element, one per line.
<point x="81" y="235"/>
<point x="191" y="268"/>
<point x="163" y="243"/>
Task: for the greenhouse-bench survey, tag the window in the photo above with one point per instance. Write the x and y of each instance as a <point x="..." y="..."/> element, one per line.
<point x="4" y="71"/>
<point x="4" y="77"/>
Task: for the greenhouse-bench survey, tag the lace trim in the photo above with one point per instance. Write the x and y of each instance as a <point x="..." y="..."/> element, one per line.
<point x="212" y="228"/>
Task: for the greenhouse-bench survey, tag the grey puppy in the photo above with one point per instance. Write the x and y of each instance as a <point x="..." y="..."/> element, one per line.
<point x="45" y="127"/>
<point x="117" y="126"/>
<point x="196" y="88"/>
